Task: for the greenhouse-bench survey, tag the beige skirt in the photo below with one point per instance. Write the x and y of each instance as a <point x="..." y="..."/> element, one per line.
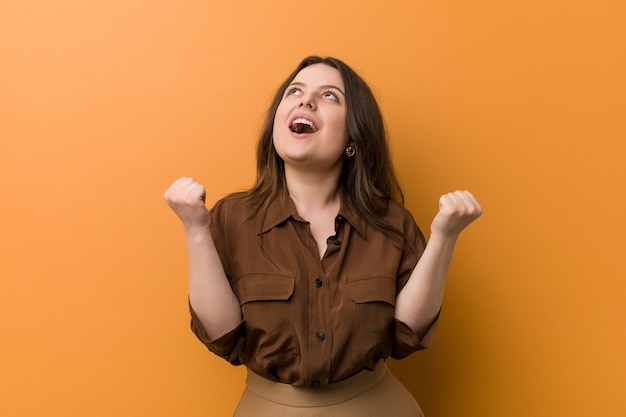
<point x="367" y="394"/>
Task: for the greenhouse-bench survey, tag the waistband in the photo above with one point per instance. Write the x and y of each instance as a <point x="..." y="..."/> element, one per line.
<point x="315" y="397"/>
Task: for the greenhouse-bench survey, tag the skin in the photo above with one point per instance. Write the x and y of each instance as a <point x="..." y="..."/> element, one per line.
<point x="420" y="300"/>
<point x="316" y="94"/>
<point x="313" y="161"/>
<point x="210" y="294"/>
<point x="312" y="169"/>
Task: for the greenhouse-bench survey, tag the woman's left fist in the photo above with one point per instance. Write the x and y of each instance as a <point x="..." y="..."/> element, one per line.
<point x="456" y="211"/>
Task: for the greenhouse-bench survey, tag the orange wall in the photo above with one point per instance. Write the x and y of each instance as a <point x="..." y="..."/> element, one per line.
<point x="104" y="103"/>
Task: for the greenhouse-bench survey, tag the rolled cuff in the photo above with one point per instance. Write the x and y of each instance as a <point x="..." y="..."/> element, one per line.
<point x="407" y="342"/>
<point x="228" y="346"/>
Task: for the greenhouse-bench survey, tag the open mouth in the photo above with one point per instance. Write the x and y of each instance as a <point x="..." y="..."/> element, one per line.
<point x="302" y="125"/>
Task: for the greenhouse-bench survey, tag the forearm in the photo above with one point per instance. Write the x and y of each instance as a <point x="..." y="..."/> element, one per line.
<point x="210" y="294"/>
<point x="420" y="300"/>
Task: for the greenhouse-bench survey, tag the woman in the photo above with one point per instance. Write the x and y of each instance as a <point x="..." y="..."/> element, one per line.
<point x="317" y="274"/>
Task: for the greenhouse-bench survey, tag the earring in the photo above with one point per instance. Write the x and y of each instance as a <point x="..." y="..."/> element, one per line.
<point x="350" y="151"/>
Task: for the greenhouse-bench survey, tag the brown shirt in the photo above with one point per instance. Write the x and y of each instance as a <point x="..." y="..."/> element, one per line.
<point x="306" y="321"/>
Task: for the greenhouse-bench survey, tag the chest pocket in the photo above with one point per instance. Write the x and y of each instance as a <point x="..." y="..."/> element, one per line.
<point x="373" y="301"/>
<point x="263" y="287"/>
<point x="267" y="306"/>
<point x="375" y="289"/>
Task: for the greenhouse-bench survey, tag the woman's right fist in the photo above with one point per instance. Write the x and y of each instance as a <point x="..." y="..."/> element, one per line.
<point x="186" y="198"/>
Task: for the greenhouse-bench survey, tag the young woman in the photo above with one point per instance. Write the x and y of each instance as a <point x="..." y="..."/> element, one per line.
<point x="317" y="274"/>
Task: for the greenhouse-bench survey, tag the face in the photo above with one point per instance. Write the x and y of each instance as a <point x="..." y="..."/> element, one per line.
<point x="310" y="122"/>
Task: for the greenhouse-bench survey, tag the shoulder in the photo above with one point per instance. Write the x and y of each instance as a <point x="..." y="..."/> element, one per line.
<point x="231" y="208"/>
<point x="231" y="200"/>
<point x="399" y="216"/>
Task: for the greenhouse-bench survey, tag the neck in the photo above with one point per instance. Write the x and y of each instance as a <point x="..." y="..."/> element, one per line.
<point x="312" y="191"/>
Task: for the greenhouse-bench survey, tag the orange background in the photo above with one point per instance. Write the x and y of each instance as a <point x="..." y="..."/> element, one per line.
<point x="105" y="103"/>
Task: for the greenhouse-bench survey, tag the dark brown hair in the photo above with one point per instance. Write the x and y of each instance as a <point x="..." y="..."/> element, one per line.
<point x="367" y="179"/>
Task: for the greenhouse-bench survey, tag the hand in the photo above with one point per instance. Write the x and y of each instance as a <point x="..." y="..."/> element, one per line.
<point x="186" y="198"/>
<point x="456" y="211"/>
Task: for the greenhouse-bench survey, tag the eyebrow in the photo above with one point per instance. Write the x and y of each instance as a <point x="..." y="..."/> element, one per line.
<point x="322" y="87"/>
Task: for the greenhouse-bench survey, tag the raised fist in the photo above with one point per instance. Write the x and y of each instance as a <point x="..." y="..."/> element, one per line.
<point x="187" y="198"/>
<point x="456" y="211"/>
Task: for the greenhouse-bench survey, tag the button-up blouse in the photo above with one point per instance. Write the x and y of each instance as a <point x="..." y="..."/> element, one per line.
<point x="309" y="321"/>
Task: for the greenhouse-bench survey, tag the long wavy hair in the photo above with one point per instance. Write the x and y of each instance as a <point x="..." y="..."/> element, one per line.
<point x="367" y="179"/>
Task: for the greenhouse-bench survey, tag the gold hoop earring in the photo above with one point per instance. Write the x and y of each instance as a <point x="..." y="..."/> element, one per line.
<point x="350" y="151"/>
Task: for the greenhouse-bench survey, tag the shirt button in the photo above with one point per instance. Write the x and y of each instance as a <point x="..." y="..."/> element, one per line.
<point x="318" y="282"/>
<point x="335" y="241"/>
<point x="320" y="335"/>
<point x="316" y="384"/>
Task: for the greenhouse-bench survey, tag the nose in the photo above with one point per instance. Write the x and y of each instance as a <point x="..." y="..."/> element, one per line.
<point x="308" y="101"/>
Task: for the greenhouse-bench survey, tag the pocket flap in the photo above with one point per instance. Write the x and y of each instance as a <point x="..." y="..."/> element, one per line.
<point x="374" y="289"/>
<point x="261" y="286"/>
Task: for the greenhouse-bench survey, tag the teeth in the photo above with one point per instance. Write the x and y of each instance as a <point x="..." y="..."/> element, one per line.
<point x="303" y="121"/>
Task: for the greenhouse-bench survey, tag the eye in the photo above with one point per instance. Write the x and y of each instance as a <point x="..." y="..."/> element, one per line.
<point x="292" y="91"/>
<point x="331" y="95"/>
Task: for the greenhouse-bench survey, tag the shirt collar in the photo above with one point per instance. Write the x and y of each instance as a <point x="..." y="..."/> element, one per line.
<point x="282" y="208"/>
<point x="348" y="212"/>
<point x="277" y="211"/>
